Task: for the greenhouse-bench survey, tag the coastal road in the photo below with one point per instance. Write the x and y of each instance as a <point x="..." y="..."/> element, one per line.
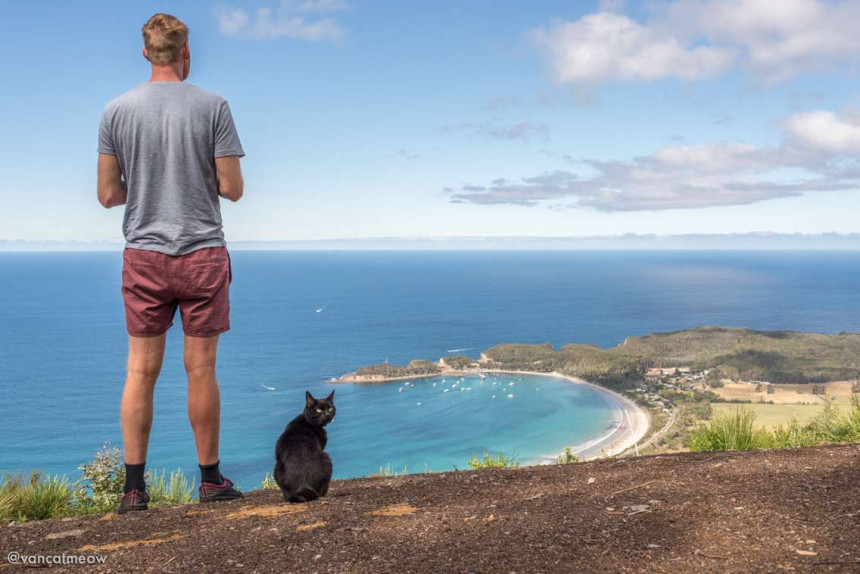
<point x="673" y="416"/>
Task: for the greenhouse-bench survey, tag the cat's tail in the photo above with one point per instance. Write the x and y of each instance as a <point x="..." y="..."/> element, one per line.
<point x="304" y="494"/>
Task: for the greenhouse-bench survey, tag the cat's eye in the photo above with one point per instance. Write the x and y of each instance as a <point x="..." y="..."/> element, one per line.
<point x="319" y="410"/>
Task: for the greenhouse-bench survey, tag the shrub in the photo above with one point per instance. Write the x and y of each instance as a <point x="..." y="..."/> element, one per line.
<point x="835" y="425"/>
<point x="36" y="499"/>
<point x="566" y="458"/>
<point x="488" y="461"/>
<point x="388" y="471"/>
<point x="175" y="489"/>
<point x="729" y="432"/>
<point x="850" y="420"/>
<point x="736" y="431"/>
<point x="101" y="484"/>
<point x="97" y="491"/>
<point x="269" y="483"/>
<point x="793" y="435"/>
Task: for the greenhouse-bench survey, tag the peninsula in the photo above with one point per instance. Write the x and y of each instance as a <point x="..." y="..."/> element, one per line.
<point x="674" y="376"/>
<point x="725" y="352"/>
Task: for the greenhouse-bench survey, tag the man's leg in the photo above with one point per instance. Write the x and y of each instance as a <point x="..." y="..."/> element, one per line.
<point x="204" y="304"/>
<point x="145" y="356"/>
<point x="204" y="398"/>
<point x="204" y="412"/>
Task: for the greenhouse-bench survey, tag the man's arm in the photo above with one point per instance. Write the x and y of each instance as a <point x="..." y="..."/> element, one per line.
<point x="230" y="184"/>
<point x="112" y="190"/>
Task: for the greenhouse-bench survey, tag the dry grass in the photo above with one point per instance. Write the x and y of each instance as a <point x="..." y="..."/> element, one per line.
<point x="395" y="510"/>
<point x="129" y="544"/>
<point x="267" y="511"/>
<point x="773" y="415"/>
<point x="786" y="394"/>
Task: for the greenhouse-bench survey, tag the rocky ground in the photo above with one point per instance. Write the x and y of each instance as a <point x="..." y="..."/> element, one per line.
<point x="767" y="511"/>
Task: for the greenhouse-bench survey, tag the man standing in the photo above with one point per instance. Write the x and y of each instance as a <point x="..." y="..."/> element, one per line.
<point x="167" y="151"/>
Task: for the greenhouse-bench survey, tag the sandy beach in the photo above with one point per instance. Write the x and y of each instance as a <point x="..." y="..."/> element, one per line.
<point x="629" y="427"/>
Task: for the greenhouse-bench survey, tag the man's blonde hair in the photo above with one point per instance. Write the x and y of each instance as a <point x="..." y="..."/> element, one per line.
<point x="163" y="37"/>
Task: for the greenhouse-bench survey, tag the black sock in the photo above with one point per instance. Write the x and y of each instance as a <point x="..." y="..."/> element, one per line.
<point x="210" y="473"/>
<point x="134" y="477"/>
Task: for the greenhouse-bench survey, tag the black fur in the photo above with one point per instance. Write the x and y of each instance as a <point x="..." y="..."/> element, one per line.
<point x="302" y="468"/>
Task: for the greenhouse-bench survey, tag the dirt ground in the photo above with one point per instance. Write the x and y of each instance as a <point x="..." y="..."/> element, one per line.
<point x="766" y="511"/>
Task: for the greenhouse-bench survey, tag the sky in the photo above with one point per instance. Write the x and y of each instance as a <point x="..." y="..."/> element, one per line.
<point x="444" y="119"/>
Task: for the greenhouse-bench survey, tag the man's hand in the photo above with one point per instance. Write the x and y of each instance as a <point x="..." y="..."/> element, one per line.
<point x="112" y="190"/>
<point x="230" y="184"/>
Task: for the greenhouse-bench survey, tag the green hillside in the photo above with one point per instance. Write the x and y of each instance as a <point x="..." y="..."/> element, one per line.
<point x="776" y="356"/>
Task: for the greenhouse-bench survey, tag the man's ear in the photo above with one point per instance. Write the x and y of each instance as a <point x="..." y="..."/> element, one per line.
<point x="330" y="397"/>
<point x="309" y="399"/>
<point x="145" y="55"/>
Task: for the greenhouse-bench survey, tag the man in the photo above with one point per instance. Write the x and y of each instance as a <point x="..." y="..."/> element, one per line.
<point x="167" y="151"/>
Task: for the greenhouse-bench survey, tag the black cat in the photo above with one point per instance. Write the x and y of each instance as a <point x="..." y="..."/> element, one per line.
<point x="302" y="469"/>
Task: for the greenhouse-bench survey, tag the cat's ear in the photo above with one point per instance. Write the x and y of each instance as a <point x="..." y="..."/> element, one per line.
<point x="330" y="398"/>
<point x="309" y="399"/>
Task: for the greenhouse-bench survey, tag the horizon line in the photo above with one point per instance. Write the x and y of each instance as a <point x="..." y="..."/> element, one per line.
<point x="628" y="241"/>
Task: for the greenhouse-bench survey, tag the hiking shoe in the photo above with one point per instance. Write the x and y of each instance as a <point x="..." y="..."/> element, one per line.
<point x="134" y="501"/>
<point x="211" y="492"/>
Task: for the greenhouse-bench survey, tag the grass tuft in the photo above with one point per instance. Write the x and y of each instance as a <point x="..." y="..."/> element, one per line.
<point x="269" y="483"/>
<point x="736" y="431"/>
<point x="175" y="489"/>
<point x="567" y="458"/>
<point x="35" y="499"/>
<point x="489" y="461"/>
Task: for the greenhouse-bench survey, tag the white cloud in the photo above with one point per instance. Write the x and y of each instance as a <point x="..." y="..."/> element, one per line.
<point x="605" y="46"/>
<point x="825" y="131"/>
<point x="715" y="158"/>
<point x="519" y="131"/>
<point x="299" y="19"/>
<point x="691" y="39"/>
<point x="231" y="21"/>
<point x="821" y="153"/>
<point x="781" y="38"/>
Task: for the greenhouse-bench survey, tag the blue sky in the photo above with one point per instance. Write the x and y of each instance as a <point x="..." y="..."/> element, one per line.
<point x="448" y="119"/>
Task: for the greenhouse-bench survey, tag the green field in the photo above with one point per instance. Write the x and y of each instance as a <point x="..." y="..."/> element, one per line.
<point x="772" y="415"/>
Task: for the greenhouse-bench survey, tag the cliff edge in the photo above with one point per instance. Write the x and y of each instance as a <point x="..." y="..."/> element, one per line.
<point x="690" y="512"/>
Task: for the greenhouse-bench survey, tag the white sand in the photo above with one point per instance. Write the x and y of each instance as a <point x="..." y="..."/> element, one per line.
<point x="630" y="424"/>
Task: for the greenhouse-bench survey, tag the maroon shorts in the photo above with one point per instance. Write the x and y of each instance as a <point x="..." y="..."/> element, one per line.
<point x="155" y="284"/>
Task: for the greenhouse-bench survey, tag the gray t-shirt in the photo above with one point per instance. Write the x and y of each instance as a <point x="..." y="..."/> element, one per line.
<point x="166" y="136"/>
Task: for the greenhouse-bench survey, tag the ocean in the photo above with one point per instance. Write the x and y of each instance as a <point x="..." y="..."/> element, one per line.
<point x="301" y="318"/>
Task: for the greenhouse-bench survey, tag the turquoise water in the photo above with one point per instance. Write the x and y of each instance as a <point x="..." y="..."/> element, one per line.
<point x="442" y="421"/>
<point x="63" y="344"/>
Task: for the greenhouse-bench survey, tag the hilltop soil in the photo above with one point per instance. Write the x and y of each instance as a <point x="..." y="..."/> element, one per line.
<point x="766" y="511"/>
